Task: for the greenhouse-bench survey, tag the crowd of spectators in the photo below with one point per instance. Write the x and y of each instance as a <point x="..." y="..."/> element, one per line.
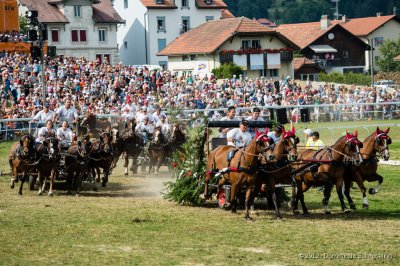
<point x="123" y="90"/>
<point x="13" y="36"/>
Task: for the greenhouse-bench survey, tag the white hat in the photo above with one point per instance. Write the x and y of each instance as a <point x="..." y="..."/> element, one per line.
<point x="307" y="131"/>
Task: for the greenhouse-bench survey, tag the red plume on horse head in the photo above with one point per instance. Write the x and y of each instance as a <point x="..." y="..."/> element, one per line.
<point x="356" y="133"/>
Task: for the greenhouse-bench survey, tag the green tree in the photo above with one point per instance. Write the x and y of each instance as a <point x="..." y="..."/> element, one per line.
<point x="227" y="71"/>
<point x="389" y="49"/>
<point x="23" y="24"/>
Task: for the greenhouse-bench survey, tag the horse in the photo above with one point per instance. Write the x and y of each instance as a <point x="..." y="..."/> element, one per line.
<point x="242" y="173"/>
<point x="101" y="156"/>
<point x="278" y="170"/>
<point x="76" y="160"/>
<point x="116" y="144"/>
<point x="21" y="158"/>
<point x="47" y="154"/>
<point x="377" y="142"/>
<point x="327" y="169"/>
<point x="91" y="125"/>
<point x="132" y="145"/>
<point x="157" y="150"/>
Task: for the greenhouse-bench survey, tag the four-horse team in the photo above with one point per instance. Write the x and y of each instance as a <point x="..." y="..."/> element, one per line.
<point x="250" y="162"/>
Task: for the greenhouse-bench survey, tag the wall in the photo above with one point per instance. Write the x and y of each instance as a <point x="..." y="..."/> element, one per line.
<point x="203" y="64"/>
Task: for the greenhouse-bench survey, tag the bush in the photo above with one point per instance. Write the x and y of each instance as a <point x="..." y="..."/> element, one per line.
<point x="227" y="71"/>
<point x="347" y="78"/>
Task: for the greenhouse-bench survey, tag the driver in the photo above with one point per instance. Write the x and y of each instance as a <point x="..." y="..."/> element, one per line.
<point x="43" y="131"/>
<point x="239" y="137"/>
<point x="145" y="129"/>
<point x="64" y="135"/>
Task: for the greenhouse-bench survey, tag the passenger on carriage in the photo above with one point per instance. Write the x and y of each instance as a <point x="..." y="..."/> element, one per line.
<point x="44" y="115"/>
<point x="157" y="114"/>
<point x="46" y="130"/>
<point x="65" y="136"/>
<point x="255" y="116"/>
<point x="130" y="107"/>
<point x="239" y="137"/>
<point x="276" y="134"/>
<point x="145" y="129"/>
<point x="314" y="142"/>
<point x="164" y="125"/>
<point x="67" y="112"/>
<point x="143" y="114"/>
<point x="229" y="117"/>
<point x="127" y="114"/>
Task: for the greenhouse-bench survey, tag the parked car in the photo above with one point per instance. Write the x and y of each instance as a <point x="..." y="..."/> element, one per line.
<point x="385" y="84"/>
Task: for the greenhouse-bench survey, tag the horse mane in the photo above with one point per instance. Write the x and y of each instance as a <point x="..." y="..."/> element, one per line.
<point x="339" y="140"/>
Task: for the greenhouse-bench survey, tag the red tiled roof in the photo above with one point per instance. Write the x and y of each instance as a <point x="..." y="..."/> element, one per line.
<point x="225" y="13"/>
<point x="214" y="4"/>
<point x="298" y="62"/>
<point x="104" y="12"/>
<point x="364" y="26"/>
<point x="303" y="34"/>
<point x="46" y="11"/>
<point x="151" y="4"/>
<point x="265" y="22"/>
<point x="203" y="40"/>
<point x="397" y="58"/>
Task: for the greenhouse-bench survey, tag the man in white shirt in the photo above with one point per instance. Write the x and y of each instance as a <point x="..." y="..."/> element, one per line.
<point x="64" y="135"/>
<point x="255" y="117"/>
<point x="145" y="129"/>
<point x="229" y="117"/>
<point x="43" y="131"/>
<point x="67" y="112"/>
<point x="165" y="127"/>
<point x="143" y="114"/>
<point x="156" y="115"/>
<point x="276" y="134"/>
<point x="239" y="137"/>
<point x="44" y="115"/>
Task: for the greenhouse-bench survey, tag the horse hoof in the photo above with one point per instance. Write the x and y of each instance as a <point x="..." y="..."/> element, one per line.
<point x="306" y="213"/>
<point x="50" y="194"/>
<point x="248" y="218"/>
<point x="346" y="211"/>
<point x="278" y="218"/>
<point x="328" y="212"/>
<point x="365" y="206"/>
<point x="77" y="195"/>
<point x="12" y="186"/>
<point x="296" y="212"/>
<point x="103" y="184"/>
<point x="353" y="206"/>
<point x="20" y="193"/>
<point x="126" y="174"/>
<point x="371" y="191"/>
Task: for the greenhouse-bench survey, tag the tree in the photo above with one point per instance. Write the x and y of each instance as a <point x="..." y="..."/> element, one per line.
<point x="389" y="50"/>
<point x="227" y="71"/>
<point x="23" y="24"/>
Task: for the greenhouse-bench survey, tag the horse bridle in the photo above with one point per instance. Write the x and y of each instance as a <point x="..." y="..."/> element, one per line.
<point x="353" y="155"/>
<point x="385" y="141"/>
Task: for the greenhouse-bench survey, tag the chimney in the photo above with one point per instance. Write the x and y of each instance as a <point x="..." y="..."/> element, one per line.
<point x="378" y="14"/>
<point x="325" y="22"/>
<point x="344" y="19"/>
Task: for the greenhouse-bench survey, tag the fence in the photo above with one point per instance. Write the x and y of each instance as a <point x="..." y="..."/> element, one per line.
<point x="282" y="114"/>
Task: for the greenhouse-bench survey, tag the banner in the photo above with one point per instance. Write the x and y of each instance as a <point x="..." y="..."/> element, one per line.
<point x="256" y="61"/>
<point x="202" y="67"/>
<point x="240" y="60"/>
<point x="20" y="47"/>
<point x="9" y="16"/>
<point x="274" y="61"/>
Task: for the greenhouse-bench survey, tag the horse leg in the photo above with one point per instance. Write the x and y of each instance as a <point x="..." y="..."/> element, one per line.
<point x="363" y="189"/>
<point x="14" y="176"/>
<point x="41" y="183"/>
<point x="52" y="172"/>
<point x="78" y="178"/>
<point x="98" y="174"/>
<point x="248" y="202"/>
<point x="94" y="177"/>
<point x="126" y="162"/>
<point x="339" y="190"/>
<point x="106" y="171"/>
<point x="24" y="176"/>
<point x="69" y="182"/>
<point x="347" y="186"/>
<point x="233" y="201"/>
<point x="375" y="190"/>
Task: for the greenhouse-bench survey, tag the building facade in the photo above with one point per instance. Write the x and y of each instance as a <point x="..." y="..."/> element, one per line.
<point x="152" y="24"/>
<point x="79" y="28"/>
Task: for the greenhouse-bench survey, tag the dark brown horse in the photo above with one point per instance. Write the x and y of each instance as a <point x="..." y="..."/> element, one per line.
<point x="157" y="150"/>
<point x="101" y="156"/>
<point x="93" y="126"/>
<point x="376" y="144"/>
<point x="21" y="159"/>
<point x="240" y="171"/>
<point x="328" y="169"/>
<point x="47" y="154"/>
<point x="77" y="163"/>
<point x="278" y="169"/>
<point x="132" y="145"/>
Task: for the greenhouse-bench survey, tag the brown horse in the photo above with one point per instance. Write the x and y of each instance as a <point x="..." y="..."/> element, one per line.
<point x="240" y="171"/>
<point x="92" y="125"/>
<point x="77" y="163"/>
<point x="101" y="156"/>
<point x="328" y="169"/>
<point x="47" y="154"/>
<point x="278" y="170"/>
<point x="21" y="159"/>
<point x="377" y="142"/>
<point x="132" y="146"/>
<point x="157" y="150"/>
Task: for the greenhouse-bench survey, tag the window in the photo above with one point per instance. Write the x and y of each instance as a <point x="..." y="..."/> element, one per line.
<point x="160" y="24"/>
<point x="346" y="54"/>
<point x="107" y="58"/>
<point x="81" y="37"/>
<point x="163" y="64"/>
<point x="185" y="3"/>
<point x="125" y="44"/>
<point x="161" y="44"/>
<point x="125" y="3"/>
<point x="160" y="1"/>
<point x="185" y="24"/>
<point x="102" y="35"/>
<point x="54" y="35"/>
<point x="378" y="41"/>
<point x="77" y="11"/>
<point x="185" y="58"/>
<point x="99" y="58"/>
<point x="208" y="2"/>
<point x="255" y="44"/>
<point x="208" y="18"/>
<point x="246" y="44"/>
<point x="270" y="73"/>
<point x="193" y="57"/>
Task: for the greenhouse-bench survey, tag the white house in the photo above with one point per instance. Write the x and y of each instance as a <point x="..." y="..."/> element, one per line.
<point x="152" y="24"/>
<point x="259" y="50"/>
<point x="79" y="28"/>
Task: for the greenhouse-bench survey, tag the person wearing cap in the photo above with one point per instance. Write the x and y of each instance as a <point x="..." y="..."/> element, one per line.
<point x="276" y="134"/>
<point x="307" y="134"/>
<point x="239" y="137"/>
<point x="255" y="116"/>
<point x="314" y="142"/>
<point x="145" y="129"/>
<point x="140" y="116"/>
<point x="44" y="115"/>
<point x="157" y="113"/>
<point x="229" y="117"/>
<point x="164" y="125"/>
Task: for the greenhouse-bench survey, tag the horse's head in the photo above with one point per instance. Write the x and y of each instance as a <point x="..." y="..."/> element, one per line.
<point x="353" y="146"/>
<point x="114" y="136"/>
<point x="264" y="144"/>
<point x="157" y="136"/>
<point x="382" y="142"/>
<point x="89" y="120"/>
<point x="51" y="145"/>
<point x="177" y="132"/>
<point x="289" y="141"/>
<point x="105" y="142"/>
<point x="84" y="147"/>
<point x="26" y="143"/>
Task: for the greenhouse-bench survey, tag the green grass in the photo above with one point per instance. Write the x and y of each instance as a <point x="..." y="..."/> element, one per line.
<point x="125" y="224"/>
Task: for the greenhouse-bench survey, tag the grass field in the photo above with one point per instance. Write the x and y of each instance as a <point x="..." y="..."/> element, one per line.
<point x="128" y="223"/>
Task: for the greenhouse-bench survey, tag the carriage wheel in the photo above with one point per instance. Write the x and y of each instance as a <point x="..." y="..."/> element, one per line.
<point x="32" y="182"/>
<point x="221" y="199"/>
